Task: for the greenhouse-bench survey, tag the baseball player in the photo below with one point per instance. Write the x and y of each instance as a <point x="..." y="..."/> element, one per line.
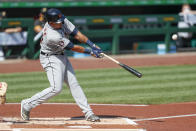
<point x="57" y="66"/>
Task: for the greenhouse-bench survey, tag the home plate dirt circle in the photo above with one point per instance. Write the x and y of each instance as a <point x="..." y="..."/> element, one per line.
<point x="68" y="124"/>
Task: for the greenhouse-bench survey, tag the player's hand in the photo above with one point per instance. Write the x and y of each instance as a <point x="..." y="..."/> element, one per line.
<point x="94" y="47"/>
<point x="97" y="48"/>
<point x="96" y="53"/>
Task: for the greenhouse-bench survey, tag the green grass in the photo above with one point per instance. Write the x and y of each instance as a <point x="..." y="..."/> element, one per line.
<point x="159" y="84"/>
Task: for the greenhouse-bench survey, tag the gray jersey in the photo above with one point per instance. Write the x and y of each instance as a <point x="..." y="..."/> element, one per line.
<point x="54" y="41"/>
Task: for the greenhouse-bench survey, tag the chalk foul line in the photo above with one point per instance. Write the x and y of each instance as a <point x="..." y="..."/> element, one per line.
<point x="168" y="117"/>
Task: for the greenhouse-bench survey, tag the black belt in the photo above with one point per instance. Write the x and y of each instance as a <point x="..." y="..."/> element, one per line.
<point x="43" y="53"/>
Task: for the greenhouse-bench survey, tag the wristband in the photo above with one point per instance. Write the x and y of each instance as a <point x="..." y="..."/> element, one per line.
<point x="74" y="32"/>
<point x="90" y="43"/>
<point x="69" y="46"/>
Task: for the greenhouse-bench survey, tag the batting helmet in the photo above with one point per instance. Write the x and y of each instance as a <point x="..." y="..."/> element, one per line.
<point x="54" y="15"/>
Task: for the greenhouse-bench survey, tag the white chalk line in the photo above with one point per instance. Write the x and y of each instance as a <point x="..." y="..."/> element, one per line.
<point x="80" y="127"/>
<point x="129" y="121"/>
<point x="167" y="117"/>
<point x="36" y="129"/>
<point x="134" y="105"/>
<point x="88" y="128"/>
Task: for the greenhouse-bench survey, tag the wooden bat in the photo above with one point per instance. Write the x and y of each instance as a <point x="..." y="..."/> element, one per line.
<point x="126" y="67"/>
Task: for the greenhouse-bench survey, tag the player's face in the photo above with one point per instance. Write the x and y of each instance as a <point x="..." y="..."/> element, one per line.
<point x="56" y="25"/>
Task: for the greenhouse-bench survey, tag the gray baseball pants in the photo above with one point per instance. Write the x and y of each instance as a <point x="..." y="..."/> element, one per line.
<point x="59" y="70"/>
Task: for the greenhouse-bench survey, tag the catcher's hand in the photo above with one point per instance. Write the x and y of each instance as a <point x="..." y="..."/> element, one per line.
<point x="3" y="90"/>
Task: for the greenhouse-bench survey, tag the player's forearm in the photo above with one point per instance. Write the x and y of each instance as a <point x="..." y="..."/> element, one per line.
<point x="13" y="30"/>
<point x="80" y="49"/>
<point x="193" y="12"/>
<point x="81" y="37"/>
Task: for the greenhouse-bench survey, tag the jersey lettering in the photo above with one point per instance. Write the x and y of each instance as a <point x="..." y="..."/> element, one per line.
<point x="61" y="43"/>
<point x="44" y="33"/>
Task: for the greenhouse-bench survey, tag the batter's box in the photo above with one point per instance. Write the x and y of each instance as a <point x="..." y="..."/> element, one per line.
<point x="70" y="123"/>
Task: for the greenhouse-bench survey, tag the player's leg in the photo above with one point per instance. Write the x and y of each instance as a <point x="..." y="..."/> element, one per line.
<point x="78" y="93"/>
<point x="55" y="69"/>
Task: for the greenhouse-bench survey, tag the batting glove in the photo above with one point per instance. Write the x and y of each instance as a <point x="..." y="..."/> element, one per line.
<point x="94" y="47"/>
<point x="96" y="53"/>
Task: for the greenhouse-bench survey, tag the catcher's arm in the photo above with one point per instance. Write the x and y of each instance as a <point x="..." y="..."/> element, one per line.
<point x="3" y="90"/>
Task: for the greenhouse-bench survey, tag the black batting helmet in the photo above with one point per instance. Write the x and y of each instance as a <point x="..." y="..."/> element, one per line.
<point x="54" y="15"/>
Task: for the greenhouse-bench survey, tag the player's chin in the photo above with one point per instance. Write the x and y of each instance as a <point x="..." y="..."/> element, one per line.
<point x="56" y="25"/>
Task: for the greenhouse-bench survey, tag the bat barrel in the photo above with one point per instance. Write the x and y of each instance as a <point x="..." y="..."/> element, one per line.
<point x="133" y="71"/>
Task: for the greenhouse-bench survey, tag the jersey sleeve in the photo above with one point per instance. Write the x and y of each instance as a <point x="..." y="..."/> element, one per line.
<point x="69" y="27"/>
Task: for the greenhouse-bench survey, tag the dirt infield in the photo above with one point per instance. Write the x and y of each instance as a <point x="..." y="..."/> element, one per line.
<point x="10" y="66"/>
<point x="166" y="117"/>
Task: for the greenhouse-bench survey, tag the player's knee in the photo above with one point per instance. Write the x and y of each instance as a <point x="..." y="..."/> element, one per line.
<point x="74" y="85"/>
<point x="57" y="90"/>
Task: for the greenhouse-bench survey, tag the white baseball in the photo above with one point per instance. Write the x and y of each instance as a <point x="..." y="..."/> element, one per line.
<point x="174" y="37"/>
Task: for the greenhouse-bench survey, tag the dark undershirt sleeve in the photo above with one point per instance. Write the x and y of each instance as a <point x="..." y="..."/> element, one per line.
<point x="74" y="32"/>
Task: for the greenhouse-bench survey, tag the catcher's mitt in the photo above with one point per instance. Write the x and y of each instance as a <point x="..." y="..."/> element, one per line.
<point x="3" y="90"/>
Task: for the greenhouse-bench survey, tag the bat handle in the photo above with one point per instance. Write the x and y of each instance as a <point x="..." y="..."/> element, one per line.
<point x="110" y="58"/>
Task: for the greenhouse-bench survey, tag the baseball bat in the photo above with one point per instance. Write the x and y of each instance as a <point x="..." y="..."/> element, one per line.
<point x="126" y="67"/>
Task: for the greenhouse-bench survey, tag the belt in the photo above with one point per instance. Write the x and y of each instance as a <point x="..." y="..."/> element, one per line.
<point x="43" y="53"/>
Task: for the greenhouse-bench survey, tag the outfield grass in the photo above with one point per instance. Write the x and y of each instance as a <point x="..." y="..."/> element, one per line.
<point x="159" y="84"/>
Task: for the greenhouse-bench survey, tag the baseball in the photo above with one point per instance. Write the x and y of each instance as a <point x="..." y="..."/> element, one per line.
<point x="174" y="37"/>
